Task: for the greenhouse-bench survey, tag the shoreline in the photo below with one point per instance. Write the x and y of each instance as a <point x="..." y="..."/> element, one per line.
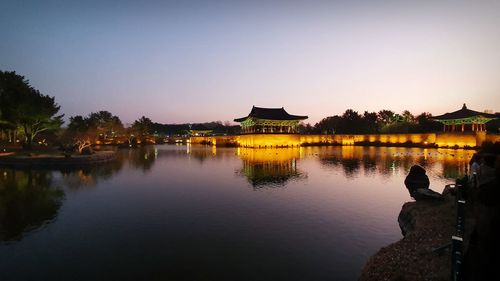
<point x="423" y="252"/>
<point x="51" y="161"/>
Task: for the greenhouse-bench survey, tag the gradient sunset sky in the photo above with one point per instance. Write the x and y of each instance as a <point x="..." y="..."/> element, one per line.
<point x="196" y="61"/>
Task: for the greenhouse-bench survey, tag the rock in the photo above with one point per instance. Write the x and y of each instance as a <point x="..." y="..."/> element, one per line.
<point x="426" y="194"/>
<point x="405" y="219"/>
<point x="426" y="226"/>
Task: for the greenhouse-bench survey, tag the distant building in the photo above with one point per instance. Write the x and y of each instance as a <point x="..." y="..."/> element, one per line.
<point x="464" y="120"/>
<point x="269" y="121"/>
<point x="199" y="133"/>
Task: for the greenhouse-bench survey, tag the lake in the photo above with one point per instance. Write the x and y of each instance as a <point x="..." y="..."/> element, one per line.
<point x="176" y="212"/>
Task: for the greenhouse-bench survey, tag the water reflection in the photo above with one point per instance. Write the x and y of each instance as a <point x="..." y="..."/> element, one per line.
<point x="141" y="158"/>
<point x="28" y="200"/>
<point x="390" y="160"/>
<point x="270" y="167"/>
<point x="201" y="152"/>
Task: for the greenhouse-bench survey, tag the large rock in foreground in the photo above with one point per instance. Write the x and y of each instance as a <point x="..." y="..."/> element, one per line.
<point x="427" y="226"/>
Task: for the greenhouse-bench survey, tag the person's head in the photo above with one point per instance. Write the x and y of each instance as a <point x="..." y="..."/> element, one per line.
<point x="417" y="170"/>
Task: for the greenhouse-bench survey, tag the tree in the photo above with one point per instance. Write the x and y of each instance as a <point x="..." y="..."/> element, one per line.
<point x="38" y="114"/>
<point x="142" y="126"/>
<point x="78" y="124"/>
<point x="105" y="123"/>
<point x="13" y="88"/>
<point x="408" y="117"/>
<point x="425" y="124"/>
<point x="385" y="117"/>
<point x="351" y="120"/>
<point x="369" y="122"/>
<point x="82" y="131"/>
<point x="328" y="125"/>
<point x="25" y="107"/>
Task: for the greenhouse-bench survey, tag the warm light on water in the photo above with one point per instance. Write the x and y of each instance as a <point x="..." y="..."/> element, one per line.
<point x="206" y="213"/>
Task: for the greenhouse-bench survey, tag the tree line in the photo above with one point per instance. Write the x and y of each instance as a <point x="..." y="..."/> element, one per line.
<point x="26" y="116"/>
<point x="384" y="121"/>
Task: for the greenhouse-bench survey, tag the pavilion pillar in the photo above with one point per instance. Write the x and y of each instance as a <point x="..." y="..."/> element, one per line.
<point x="463" y="127"/>
<point x="444" y="128"/>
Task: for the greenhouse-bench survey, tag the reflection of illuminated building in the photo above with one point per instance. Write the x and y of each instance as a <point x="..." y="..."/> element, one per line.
<point x="270" y="167"/>
<point x="393" y="160"/>
<point x="201" y="153"/>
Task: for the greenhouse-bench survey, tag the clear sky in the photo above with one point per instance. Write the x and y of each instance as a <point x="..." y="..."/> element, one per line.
<point x="196" y="61"/>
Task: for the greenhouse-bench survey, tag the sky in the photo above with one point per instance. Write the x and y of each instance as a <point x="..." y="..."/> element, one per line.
<point x="196" y="61"/>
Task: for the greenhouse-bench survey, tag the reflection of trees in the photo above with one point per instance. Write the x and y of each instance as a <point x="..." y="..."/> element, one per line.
<point x="28" y="200"/>
<point x="350" y="166"/>
<point x="143" y="157"/>
<point x="270" y="167"/>
<point x="77" y="177"/>
<point x="369" y="165"/>
<point x="388" y="160"/>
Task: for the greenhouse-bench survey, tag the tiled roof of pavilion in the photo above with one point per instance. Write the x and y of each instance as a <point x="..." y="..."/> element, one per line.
<point x="463" y="114"/>
<point x="270" y="114"/>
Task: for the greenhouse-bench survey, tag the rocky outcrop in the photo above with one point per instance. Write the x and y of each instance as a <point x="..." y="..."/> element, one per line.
<point x="427" y="227"/>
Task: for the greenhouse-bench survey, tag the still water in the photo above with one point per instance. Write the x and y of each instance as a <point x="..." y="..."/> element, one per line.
<point x="203" y="213"/>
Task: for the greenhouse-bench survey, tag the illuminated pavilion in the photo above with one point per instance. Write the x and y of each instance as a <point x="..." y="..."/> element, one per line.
<point x="270" y="121"/>
<point x="464" y="120"/>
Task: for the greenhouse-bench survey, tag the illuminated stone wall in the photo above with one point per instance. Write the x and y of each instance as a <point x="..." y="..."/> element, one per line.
<point x="380" y="138"/>
<point x="467" y="139"/>
<point x="269" y="140"/>
<point x="492" y="138"/>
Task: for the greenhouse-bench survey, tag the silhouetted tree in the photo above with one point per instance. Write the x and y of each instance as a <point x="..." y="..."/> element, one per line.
<point x="142" y="126"/>
<point x="351" y="120"/>
<point x="369" y="123"/>
<point x="105" y="123"/>
<point x="328" y="125"/>
<point x="24" y="107"/>
<point x="426" y="124"/>
<point x="305" y="128"/>
<point x="408" y="117"/>
<point x="385" y="117"/>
